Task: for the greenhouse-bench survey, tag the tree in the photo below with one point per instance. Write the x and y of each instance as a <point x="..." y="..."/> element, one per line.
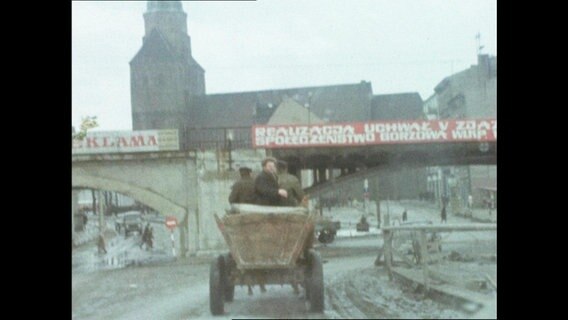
<point x="87" y="123"/>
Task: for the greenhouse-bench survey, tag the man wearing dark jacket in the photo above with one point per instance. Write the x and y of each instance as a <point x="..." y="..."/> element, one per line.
<point x="243" y="190"/>
<point x="266" y="185"/>
<point x="291" y="184"/>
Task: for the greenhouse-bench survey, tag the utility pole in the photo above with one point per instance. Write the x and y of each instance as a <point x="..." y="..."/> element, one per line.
<point x="101" y="212"/>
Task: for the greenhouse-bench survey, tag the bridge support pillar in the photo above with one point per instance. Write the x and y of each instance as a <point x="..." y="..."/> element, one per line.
<point x="330" y="170"/>
<point x="101" y="212"/>
<point x="74" y="207"/>
<point x="193" y="231"/>
<point x="375" y="195"/>
<point x="321" y="174"/>
<point x="183" y="231"/>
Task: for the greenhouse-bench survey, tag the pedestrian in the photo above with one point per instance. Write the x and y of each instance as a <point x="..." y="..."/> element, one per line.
<point x="145" y="235"/>
<point x="242" y="191"/>
<point x="266" y="185"/>
<point x="470" y="201"/>
<point x="291" y="184"/>
<point x="101" y="244"/>
<point x="445" y="200"/>
<point x="491" y="203"/>
<point x="443" y="214"/>
<point x="404" y="216"/>
<point x="150" y="238"/>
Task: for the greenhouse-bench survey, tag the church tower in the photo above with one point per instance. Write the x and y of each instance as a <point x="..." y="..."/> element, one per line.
<point x="164" y="77"/>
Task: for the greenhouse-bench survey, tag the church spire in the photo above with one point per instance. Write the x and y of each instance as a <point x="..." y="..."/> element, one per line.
<point x="168" y="6"/>
<point x="170" y="20"/>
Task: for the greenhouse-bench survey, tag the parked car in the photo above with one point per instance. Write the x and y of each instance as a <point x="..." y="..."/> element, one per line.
<point x="129" y="222"/>
<point x="363" y="225"/>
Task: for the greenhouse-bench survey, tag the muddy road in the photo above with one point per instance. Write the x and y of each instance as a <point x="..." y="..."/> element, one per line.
<point x="354" y="288"/>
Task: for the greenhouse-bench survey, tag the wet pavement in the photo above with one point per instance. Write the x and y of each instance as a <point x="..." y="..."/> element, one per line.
<point x="129" y="282"/>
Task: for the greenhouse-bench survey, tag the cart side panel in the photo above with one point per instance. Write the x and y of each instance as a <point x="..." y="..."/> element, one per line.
<point x="221" y="226"/>
<point x="270" y="240"/>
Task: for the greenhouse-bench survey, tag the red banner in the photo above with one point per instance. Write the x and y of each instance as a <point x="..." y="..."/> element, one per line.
<point x="374" y="133"/>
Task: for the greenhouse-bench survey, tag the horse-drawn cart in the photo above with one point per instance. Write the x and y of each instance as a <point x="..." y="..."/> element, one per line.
<point x="268" y="245"/>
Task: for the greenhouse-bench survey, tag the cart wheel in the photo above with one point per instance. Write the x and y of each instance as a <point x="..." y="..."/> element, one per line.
<point x="229" y="288"/>
<point x="307" y="288"/>
<point x="315" y="282"/>
<point x="216" y="286"/>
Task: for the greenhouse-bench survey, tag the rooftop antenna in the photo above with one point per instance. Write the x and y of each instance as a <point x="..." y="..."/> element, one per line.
<point x="479" y="46"/>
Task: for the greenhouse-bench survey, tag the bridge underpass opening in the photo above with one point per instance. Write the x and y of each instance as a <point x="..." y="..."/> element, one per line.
<point x="323" y="163"/>
<point x="411" y="181"/>
<point x="143" y="200"/>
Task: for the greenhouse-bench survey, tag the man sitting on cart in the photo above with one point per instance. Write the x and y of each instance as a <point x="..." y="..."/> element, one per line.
<point x="266" y="185"/>
<point x="291" y="184"/>
<point x="242" y="191"/>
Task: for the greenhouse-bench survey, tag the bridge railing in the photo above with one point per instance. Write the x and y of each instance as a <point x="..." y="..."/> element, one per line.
<point x="216" y="138"/>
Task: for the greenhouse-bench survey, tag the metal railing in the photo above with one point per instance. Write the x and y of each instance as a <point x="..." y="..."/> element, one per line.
<point x="216" y="138"/>
<point x="422" y="233"/>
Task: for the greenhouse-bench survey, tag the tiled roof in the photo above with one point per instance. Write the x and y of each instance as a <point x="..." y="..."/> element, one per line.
<point x="335" y="103"/>
<point x="397" y="106"/>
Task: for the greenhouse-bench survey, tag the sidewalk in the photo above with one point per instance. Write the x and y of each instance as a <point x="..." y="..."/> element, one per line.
<point x="433" y="211"/>
<point x="91" y="232"/>
<point x="484" y="215"/>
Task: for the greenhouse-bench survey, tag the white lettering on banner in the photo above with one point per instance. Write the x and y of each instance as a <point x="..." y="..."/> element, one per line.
<point x="484" y="125"/>
<point x="469" y="134"/>
<point x="316" y="140"/>
<point x="303" y="131"/>
<point x="412" y="136"/>
<point x="369" y="133"/>
<point x="396" y="127"/>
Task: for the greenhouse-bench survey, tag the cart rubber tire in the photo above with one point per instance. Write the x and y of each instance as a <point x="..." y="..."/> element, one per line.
<point x="229" y="289"/>
<point x="307" y="288"/>
<point x="216" y="286"/>
<point x="315" y="282"/>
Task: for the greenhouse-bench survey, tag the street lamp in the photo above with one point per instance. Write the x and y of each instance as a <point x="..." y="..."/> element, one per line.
<point x="436" y="179"/>
<point x="307" y="105"/>
<point x="230" y="147"/>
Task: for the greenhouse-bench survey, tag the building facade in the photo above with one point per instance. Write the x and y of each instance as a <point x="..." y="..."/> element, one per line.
<point x="471" y="94"/>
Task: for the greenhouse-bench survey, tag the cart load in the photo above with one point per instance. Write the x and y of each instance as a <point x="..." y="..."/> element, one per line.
<point x="268" y="245"/>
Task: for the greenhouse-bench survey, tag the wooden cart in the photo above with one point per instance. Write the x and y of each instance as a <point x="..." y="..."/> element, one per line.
<point x="268" y="245"/>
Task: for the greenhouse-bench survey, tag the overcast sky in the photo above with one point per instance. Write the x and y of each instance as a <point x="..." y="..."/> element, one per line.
<point x="397" y="45"/>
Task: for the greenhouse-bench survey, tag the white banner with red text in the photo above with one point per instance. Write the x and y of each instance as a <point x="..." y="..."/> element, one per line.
<point x="374" y="133"/>
<point x="127" y="141"/>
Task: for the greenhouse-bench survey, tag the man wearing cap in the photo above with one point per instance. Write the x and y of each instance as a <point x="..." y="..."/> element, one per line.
<point x="266" y="185"/>
<point x="291" y="184"/>
<point x="242" y="191"/>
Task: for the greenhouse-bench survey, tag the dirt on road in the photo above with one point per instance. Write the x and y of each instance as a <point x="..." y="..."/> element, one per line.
<point x="354" y="288"/>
